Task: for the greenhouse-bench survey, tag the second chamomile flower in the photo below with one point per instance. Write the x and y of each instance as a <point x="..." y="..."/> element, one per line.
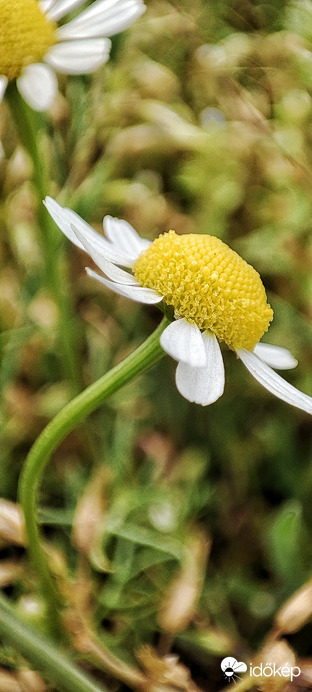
<point x="33" y="45"/>
<point x="216" y="296"/>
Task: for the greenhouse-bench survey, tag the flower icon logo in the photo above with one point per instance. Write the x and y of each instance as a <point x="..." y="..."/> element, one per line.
<point x="231" y="667"/>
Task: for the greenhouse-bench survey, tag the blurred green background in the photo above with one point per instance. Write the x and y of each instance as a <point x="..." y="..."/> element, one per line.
<point x="201" y="122"/>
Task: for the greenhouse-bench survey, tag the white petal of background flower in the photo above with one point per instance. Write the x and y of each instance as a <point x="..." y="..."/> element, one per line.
<point x="3" y="86"/>
<point x="110" y="269"/>
<point x="274" y="382"/>
<point x="78" y="57"/>
<point x="203" y="385"/>
<point x="276" y="356"/>
<point x="103" y="17"/>
<point x="124" y="236"/>
<point x="183" y="341"/>
<point x="45" y="5"/>
<point x="38" y="86"/>
<point x="81" y="46"/>
<point x="56" y="9"/>
<point x="137" y="293"/>
<point x="110" y="8"/>
<point x="68" y="221"/>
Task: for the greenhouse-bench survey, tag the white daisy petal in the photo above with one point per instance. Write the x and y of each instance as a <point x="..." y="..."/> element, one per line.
<point x="274" y="382"/>
<point x="3" y="86"/>
<point x="124" y="236"/>
<point x="60" y="216"/>
<point x="56" y="9"/>
<point x="99" y="243"/>
<point x="103" y="18"/>
<point x="38" y="86"/>
<point x="67" y="220"/>
<point x="137" y="293"/>
<point x="183" y="341"/>
<point x="110" y="269"/>
<point x="203" y="385"/>
<point x="78" y="57"/>
<point x="276" y="356"/>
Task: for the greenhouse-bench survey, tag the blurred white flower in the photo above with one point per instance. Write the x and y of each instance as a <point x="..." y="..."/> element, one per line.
<point x="215" y="294"/>
<point x="33" y="46"/>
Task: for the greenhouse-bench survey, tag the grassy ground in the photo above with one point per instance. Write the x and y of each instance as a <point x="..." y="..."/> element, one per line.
<point x="169" y="526"/>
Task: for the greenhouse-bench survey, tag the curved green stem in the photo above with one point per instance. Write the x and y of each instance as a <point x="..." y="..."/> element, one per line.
<point x="44" y="656"/>
<point x="30" y="125"/>
<point x="137" y="362"/>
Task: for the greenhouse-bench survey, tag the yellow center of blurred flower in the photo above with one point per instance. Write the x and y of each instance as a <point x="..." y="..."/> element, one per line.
<point x="25" y="35"/>
<point x="209" y="284"/>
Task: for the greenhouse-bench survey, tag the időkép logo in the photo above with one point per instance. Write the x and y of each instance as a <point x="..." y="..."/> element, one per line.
<point x="231" y="669"/>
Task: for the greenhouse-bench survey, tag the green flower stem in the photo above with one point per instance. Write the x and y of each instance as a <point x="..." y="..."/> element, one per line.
<point x="42" y="655"/>
<point x="137" y="362"/>
<point x="30" y="126"/>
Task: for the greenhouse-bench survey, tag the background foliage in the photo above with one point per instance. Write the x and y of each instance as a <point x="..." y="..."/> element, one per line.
<point x="200" y="122"/>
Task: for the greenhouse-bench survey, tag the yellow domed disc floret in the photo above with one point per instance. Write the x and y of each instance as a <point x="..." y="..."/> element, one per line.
<point x="209" y="284"/>
<point x="25" y="35"/>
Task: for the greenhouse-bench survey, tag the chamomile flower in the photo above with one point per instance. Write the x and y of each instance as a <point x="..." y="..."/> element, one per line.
<point x="33" y="46"/>
<point x="215" y="296"/>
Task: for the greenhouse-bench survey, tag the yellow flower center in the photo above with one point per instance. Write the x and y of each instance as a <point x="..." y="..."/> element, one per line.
<point x="25" y="35"/>
<point x="209" y="284"/>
